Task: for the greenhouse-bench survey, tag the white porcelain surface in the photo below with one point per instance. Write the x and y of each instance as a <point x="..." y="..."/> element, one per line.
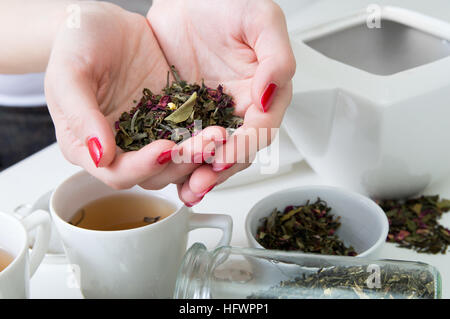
<point x="55" y="247"/>
<point x="51" y="279"/>
<point x="134" y="263"/>
<point x="363" y="223"/>
<point x="14" y="279"/>
<point x="381" y="135"/>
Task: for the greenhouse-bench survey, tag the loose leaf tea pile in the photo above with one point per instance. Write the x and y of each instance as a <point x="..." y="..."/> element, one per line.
<point x="181" y="106"/>
<point x="351" y="283"/>
<point x="309" y="228"/>
<point x="414" y="223"/>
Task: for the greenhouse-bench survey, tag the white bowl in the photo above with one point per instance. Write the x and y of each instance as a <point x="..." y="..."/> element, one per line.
<point x="370" y="109"/>
<point x="364" y="225"/>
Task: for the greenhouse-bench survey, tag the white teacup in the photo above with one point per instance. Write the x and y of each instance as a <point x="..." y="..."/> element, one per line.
<point x="134" y="263"/>
<point x="15" y="278"/>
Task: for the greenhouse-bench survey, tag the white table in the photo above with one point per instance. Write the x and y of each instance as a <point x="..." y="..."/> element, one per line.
<point x="29" y="179"/>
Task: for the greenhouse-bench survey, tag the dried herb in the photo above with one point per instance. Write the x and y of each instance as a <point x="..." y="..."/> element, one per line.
<point x="351" y="283"/>
<point x="178" y="113"/>
<point x="413" y="223"/>
<point x="151" y="220"/>
<point x="80" y="220"/>
<point x="309" y="228"/>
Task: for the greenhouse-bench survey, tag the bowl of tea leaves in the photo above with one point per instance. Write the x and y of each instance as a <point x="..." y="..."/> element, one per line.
<point x="319" y="220"/>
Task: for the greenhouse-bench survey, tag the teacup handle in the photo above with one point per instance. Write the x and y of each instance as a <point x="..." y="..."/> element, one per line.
<point x="39" y="219"/>
<point x="220" y="221"/>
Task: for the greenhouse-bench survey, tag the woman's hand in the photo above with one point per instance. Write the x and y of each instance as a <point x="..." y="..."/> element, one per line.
<point x="94" y="74"/>
<point x="242" y="44"/>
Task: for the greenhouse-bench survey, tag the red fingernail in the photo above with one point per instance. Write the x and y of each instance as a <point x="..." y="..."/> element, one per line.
<point x="267" y="97"/>
<point x="207" y="191"/>
<point x="208" y="156"/>
<point x="95" y="150"/>
<point x="220" y="141"/>
<point x="164" y="157"/>
<point x="193" y="203"/>
<point x="220" y="169"/>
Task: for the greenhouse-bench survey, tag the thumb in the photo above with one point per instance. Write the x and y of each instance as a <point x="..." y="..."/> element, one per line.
<point x="276" y="61"/>
<point x="76" y="100"/>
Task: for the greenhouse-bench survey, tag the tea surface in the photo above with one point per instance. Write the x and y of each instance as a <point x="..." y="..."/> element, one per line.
<point x="122" y="211"/>
<point x="5" y="259"/>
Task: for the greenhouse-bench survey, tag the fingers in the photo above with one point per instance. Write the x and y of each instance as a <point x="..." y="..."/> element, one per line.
<point x="72" y="93"/>
<point x="268" y="36"/>
<point x="173" y="173"/>
<point x="131" y="168"/>
<point x="202" y="181"/>
<point x="257" y="132"/>
<point x="201" y="147"/>
<point x="188" y="156"/>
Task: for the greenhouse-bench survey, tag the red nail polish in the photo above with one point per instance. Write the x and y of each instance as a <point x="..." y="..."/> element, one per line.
<point x="220" y="169"/>
<point x="95" y="150"/>
<point x="193" y="204"/>
<point x="208" y="156"/>
<point x="220" y="141"/>
<point x="267" y="97"/>
<point x="164" y="157"/>
<point x="207" y="191"/>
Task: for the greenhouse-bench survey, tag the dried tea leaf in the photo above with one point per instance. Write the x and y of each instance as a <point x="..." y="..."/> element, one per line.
<point x="309" y="228"/>
<point x="180" y="106"/>
<point x="350" y="282"/>
<point x="413" y="223"/>
<point x="184" y="111"/>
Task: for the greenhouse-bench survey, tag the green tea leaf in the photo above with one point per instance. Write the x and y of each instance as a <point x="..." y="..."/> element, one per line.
<point x="414" y="223"/>
<point x="155" y="117"/>
<point x="184" y="111"/>
<point x="444" y="204"/>
<point x="309" y="228"/>
<point x="417" y="208"/>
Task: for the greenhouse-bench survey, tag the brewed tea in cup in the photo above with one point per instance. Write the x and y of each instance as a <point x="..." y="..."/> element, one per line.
<point x="126" y="244"/>
<point x="17" y="265"/>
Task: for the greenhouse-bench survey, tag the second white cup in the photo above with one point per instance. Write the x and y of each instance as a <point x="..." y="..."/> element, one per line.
<point x="15" y="278"/>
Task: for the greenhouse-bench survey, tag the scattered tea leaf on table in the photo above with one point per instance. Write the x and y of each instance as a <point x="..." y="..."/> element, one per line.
<point x="413" y="223"/>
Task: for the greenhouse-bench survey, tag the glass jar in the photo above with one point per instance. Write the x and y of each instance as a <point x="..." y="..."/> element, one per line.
<point x="232" y="272"/>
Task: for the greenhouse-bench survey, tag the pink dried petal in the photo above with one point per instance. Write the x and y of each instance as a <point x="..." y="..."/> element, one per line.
<point x="164" y="100"/>
<point x="288" y="209"/>
<point x="401" y="235"/>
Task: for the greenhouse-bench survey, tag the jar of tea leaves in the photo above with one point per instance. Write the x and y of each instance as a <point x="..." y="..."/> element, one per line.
<point x="232" y="272"/>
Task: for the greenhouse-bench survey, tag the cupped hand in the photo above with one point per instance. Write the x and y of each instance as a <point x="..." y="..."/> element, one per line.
<point x="94" y="73"/>
<point x="242" y="44"/>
